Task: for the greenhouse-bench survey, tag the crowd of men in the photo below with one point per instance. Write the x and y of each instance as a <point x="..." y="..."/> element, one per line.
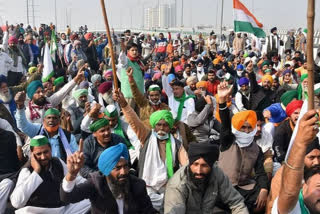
<point x="191" y="128"/>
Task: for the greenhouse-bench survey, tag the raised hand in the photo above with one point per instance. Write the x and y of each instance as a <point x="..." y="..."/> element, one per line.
<point x="119" y="98"/>
<point x="224" y="91"/>
<point x="20" y="98"/>
<point x="94" y="112"/>
<point x="308" y="128"/>
<point x="74" y="163"/>
<point x="129" y="72"/>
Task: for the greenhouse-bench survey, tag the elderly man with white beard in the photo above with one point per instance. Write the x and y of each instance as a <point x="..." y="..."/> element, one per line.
<point x="105" y="94"/>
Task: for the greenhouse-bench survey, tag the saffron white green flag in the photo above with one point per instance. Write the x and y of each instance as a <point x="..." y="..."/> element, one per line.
<point x="53" y="45"/>
<point x="244" y="20"/>
<point x="48" y="71"/>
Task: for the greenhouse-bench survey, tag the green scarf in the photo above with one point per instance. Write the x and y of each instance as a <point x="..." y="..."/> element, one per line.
<point x="169" y="158"/>
<point x="118" y="131"/>
<point x="181" y="105"/>
<point x="303" y="208"/>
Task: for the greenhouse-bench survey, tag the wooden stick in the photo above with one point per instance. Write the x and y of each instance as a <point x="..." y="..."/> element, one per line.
<point x="115" y="80"/>
<point x="310" y="62"/>
<point x="81" y="145"/>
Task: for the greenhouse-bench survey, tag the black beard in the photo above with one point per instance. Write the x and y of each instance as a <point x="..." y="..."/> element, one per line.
<point x="119" y="189"/>
<point x="41" y="101"/>
<point x="200" y="183"/>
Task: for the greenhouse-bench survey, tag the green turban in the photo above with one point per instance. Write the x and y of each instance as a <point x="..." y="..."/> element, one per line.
<point x="303" y="77"/>
<point x="288" y="96"/>
<point x="98" y="124"/>
<point x="154" y="88"/>
<point x="78" y="93"/>
<point x="39" y="140"/>
<point x="161" y="115"/>
<point x="52" y="111"/>
<point x="266" y="62"/>
<point x="32" y="88"/>
<point x="58" y="81"/>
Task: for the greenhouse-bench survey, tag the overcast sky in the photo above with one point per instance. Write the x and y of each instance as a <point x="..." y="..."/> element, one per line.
<point x="284" y="14"/>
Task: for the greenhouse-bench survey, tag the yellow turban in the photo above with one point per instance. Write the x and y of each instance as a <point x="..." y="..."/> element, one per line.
<point x="163" y="67"/>
<point x="244" y="116"/>
<point x="175" y="63"/>
<point x="267" y="77"/>
<point x="202" y="84"/>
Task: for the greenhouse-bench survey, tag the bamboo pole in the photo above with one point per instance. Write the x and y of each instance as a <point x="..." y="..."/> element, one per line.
<point x="115" y="80"/>
<point x="310" y="62"/>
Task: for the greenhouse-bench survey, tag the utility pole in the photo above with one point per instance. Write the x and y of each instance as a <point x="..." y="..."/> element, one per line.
<point x="221" y="23"/>
<point x="175" y="13"/>
<point x="33" y="17"/>
<point x="27" y="12"/>
<point x="55" y="14"/>
<point x="181" y="13"/>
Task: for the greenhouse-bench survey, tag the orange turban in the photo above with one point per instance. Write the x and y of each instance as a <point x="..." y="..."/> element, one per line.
<point x="244" y="116"/>
<point x="202" y="84"/>
<point x="174" y="64"/>
<point x="267" y="77"/>
<point x="163" y="67"/>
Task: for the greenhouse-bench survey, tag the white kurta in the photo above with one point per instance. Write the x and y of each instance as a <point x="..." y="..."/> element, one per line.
<point x="28" y="182"/>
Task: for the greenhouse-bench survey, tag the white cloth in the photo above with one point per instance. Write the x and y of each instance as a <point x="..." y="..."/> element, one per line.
<point x="6" y="63"/>
<point x="28" y="182"/>
<point x="6" y="186"/>
<point x="266" y="140"/>
<point x="296" y="209"/>
<point x="243" y="139"/>
<point x="4" y="124"/>
<point x="238" y="101"/>
<point x="155" y="170"/>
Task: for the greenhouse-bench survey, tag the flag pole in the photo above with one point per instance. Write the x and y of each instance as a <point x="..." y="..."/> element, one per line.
<point x="310" y="62"/>
<point x="104" y="13"/>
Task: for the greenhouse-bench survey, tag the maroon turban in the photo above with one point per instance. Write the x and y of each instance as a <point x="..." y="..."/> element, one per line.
<point x="104" y="87"/>
<point x="13" y="40"/>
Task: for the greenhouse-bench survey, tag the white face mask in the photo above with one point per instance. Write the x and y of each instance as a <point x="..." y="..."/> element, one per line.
<point x="239" y="73"/>
<point x="243" y="139"/>
<point x="161" y="137"/>
<point x="154" y="104"/>
<point x="200" y="69"/>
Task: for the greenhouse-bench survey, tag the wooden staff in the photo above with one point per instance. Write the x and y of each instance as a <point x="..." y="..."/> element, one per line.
<point x="115" y="80"/>
<point x="81" y="145"/>
<point x="310" y="62"/>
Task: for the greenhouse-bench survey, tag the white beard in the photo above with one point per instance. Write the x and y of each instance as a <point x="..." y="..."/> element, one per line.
<point x="107" y="98"/>
<point x="6" y="98"/>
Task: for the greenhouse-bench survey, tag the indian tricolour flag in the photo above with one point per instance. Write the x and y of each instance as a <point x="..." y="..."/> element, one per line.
<point x="244" y="21"/>
<point x="48" y="71"/>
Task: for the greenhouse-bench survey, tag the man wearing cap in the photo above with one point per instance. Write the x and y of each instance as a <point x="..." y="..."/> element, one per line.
<point x="284" y="131"/>
<point x="78" y="111"/>
<point x="160" y="153"/>
<point x="240" y="155"/>
<point x="197" y="187"/>
<point x="179" y="103"/>
<point x="111" y="189"/>
<point x="100" y="139"/>
<point x="63" y="143"/>
<point x="38" y="184"/>
<point x="242" y="97"/>
<point x="39" y="103"/>
<point x="146" y="105"/>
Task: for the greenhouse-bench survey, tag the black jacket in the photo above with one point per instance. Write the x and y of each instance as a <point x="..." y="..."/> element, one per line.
<point x="281" y="142"/>
<point x="96" y="189"/>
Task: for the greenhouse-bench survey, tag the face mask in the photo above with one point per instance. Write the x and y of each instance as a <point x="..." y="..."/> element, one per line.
<point x="239" y="73"/>
<point x="161" y="137"/>
<point x="154" y="104"/>
<point x="200" y="69"/>
<point x="51" y="129"/>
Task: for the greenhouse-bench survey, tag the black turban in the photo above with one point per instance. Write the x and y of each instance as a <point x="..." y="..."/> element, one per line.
<point x="313" y="145"/>
<point x="208" y="151"/>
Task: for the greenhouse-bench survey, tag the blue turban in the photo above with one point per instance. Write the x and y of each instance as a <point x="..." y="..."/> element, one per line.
<point x="240" y="67"/>
<point x="111" y="156"/>
<point x="32" y="88"/>
<point x="171" y="77"/>
<point x="288" y="71"/>
<point x="3" y="78"/>
<point x="243" y="81"/>
<point x="147" y="76"/>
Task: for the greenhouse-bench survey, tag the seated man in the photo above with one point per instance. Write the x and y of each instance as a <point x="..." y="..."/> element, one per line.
<point x="179" y="103"/>
<point x="311" y="162"/>
<point x="9" y="165"/>
<point x="197" y="187"/>
<point x="111" y="189"/>
<point x="240" y="154"/>
<point x="63" y="143"/>
<point x="284" y="132"/>
<point x="100" y="139"/>
<point x="146" y="105"/>
<point x="160" y="153"/>
<point x="296" y="196"/>
<point x="38" y="184"/>
<point x="38" y="103"/>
